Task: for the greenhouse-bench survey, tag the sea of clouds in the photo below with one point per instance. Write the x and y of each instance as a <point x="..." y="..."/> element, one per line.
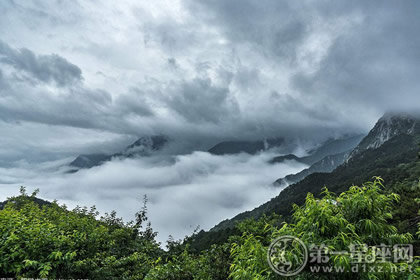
<point x="184" y="192"/>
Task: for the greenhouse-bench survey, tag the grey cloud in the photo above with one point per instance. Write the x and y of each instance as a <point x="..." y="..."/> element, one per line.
<point x="374" y="65"/>
<point x="247" y="79"/>
<point x="45" y="68"/>
<point x="40" y="12"/>
<point x="3" y="83"/>
<point x="171" y="36"/>
<point x="201" y="101"/>
<point x="243" y="68"/>
<point x="35" y="143"/>
<point x="134" y="103"/>
<point x="69" y="102"/>
<point x="173" y="63"/>
<point x="273" y="27"/>
<point x="369" y="66"/>
<point x="191" y="193"/>
<point x="75" y="107"/>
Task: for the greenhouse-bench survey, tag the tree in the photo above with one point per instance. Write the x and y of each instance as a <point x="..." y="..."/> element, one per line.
<point x="358" y="216"/>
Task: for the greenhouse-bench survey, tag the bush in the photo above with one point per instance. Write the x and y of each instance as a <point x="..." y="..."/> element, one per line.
<point x="51" y="241"/>
<point x="358" y="216"/>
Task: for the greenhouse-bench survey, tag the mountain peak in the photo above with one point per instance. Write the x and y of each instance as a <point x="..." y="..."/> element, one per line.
<point x="388" y="126"/>
<point x="144" y="146"/>
<point x="147" y="144"/>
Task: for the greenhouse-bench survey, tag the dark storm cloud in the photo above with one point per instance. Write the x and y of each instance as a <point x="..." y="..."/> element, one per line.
<point x="45" y="68"/>
<point x="70" y="103"/>
<point x="76" y="107"/>
<point x="351" y="60"/>
<point x="274" y="27"/>
<point x="134" y="103"/>
<point x="376" y="63"/>
<point x="3" y="83"/>
<point x="212" y="69"/>
<point x="172" y="63"/>
<point x="172" y="37"/>
<point x="200" y="101"/>
<point x="371" y="58"/>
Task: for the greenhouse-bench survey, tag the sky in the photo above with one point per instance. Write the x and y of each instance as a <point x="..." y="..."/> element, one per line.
<point x="93" y="76"/>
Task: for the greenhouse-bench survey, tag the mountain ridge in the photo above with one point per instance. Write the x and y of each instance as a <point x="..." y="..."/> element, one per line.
<point x="144" y="146"/>
<point x="395" y="160"/>
<point x="329" y="147"/>
<point x="249" y="147"/>
<point x="388" y="126"/>
<point x="327" y="164"/>
<point x="393" y="151"/>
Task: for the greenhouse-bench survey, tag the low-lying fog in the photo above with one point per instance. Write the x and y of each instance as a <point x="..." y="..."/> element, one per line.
<point x="188" y="191"/>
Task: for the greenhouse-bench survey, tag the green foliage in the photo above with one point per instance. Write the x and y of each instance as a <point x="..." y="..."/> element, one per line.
<point x="51" y="241"/>
<point x="180" y="263"/>
<point x="358" y="216"/>
<point x="394" y="161"/>
<point x="44" y="240"/>
<point x="183" y="266"/>
<point x="250" y="260"/>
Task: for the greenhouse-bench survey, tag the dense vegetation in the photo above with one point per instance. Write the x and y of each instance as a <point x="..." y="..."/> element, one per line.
<point x="396" y="161"/>
<point x="40" y="239"/>
<point x="51" y="241"/>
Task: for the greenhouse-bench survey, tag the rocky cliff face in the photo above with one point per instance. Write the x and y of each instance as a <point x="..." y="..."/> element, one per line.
<point x="390" y="125"/>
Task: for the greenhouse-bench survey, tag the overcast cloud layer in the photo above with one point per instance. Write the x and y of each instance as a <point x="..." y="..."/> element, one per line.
<point x="92" y="76"/>
<point x="206" y="70"/>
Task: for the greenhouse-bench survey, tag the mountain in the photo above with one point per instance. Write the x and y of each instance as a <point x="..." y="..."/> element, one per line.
<point x="327" y="164"/>
<point x="249" y="147"/>
<point x="280" y="159"/>
<point x="387" y="127"/>
<point x="333" y="153"/>
<point x="394" y="158"/>
<point x="401" y="148"/>
<point x="90" y="160"/>
<point x="330" y="147"/>
<point x="144" y="146"/>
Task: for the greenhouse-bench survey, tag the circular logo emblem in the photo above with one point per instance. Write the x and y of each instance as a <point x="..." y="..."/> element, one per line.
<point x="287" y="255"/>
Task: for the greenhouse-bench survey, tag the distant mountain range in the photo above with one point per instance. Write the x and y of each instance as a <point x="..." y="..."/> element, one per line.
<point x="390" y="150"/>
<point x="249" y="147"/>
<point x="149" y="145"/>
<point x="144" y="146"/>
<point x="370" y="157"/>
<point x="325" y="158"/>
<point x="327" y="164"/>
<point x="329" y="147"/>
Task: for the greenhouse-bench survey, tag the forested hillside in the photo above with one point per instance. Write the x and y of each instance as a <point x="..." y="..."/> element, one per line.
<point x="52" y="242"/>
<point x="395" y="160"/>
<point x="348" y="206"/>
